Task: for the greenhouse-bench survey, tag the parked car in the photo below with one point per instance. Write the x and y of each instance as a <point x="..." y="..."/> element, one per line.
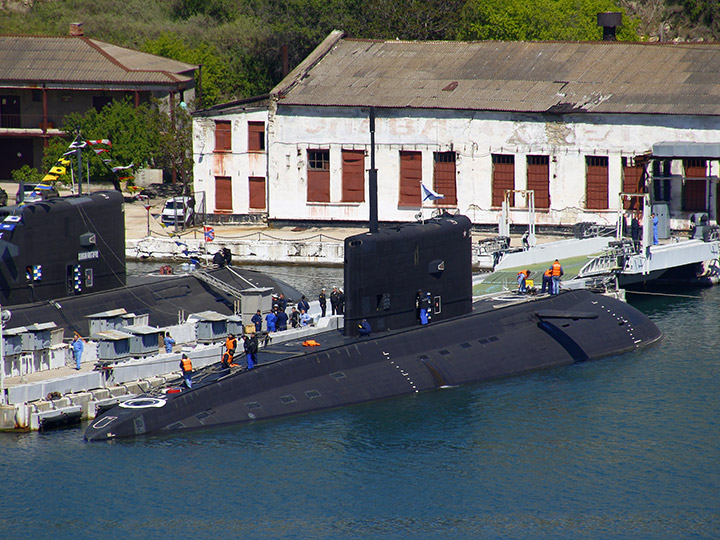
<point x="180" y="209"/>
<point x="34" y="194"/>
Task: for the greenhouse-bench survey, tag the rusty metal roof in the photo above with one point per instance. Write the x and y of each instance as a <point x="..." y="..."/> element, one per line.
<point x="554" y="77"/>
<point x="81" y="60"/>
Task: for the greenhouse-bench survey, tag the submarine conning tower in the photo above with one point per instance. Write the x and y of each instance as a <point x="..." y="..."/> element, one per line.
<point x="64" y="246"/>
<point x="390" y="272"/>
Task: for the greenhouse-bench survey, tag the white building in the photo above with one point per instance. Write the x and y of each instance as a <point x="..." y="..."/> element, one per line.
<point x="575" y="122"/>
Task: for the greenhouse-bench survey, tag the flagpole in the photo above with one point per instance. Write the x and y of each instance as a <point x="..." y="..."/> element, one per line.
<point x="205" y="239"/>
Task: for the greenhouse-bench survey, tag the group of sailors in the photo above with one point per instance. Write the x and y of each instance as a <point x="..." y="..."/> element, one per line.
<point x="337" y="301"/>
<point x="276" y="320"/>
<point x="250" y="345"/>
<point x="550" y="279"/>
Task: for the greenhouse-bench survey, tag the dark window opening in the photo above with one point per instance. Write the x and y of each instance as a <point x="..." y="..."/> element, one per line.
<point x="694" y="197"/>
<point x="632" y="183"/>
<point x="319" y="160"/>
<point x="100" y="102"/>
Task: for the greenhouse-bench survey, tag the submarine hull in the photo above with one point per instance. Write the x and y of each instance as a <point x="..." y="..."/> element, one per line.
<point x="489" y="342"/>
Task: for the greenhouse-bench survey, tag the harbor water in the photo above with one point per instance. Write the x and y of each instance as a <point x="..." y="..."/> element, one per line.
<point x="624" y="447"/>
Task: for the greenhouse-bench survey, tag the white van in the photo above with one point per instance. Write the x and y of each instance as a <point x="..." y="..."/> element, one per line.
<point x="178" y="208"/>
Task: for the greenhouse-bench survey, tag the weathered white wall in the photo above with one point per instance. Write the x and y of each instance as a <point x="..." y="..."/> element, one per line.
<point x="474" y="136"/>
<point x="239" y="164"/>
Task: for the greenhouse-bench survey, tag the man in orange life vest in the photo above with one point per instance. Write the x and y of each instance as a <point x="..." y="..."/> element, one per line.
<point x="557" y="271"/>
<point x="186" y="367"/>
<point x="231" y="345"/>
<point x="521" y="277"/>
<point x="547" y="281"/>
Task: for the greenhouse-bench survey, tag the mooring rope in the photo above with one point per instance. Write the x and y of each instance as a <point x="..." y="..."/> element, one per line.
<point x="663" y="294"/>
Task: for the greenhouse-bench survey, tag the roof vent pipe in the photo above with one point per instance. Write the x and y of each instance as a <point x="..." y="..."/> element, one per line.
<point x="609" y="21"/>
<point x="76" y="29"/>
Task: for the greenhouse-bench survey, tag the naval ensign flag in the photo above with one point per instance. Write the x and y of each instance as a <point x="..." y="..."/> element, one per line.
<point x="429" y="194"/>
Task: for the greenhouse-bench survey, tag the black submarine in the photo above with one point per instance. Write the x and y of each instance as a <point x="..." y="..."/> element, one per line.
<point x="389" y="275"/>
<point x="63" y="258"/>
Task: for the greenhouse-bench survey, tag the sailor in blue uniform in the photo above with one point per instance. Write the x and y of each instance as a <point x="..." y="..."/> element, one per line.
<point x="257" y="321"/>
<point x="270" y="319"/>
<point x="77" y="347"/>
<point x="169" y="342"/>
<point x="364" y="328"/>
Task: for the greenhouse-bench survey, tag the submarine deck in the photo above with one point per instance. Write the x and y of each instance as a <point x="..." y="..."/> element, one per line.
<point x="272" y="353"/>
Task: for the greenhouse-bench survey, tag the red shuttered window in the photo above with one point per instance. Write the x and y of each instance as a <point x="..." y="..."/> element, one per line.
<point x="256" y="136"/>
<point x="318" y="186"/>
<point x="223" y="194"/>
<point x="223" y="136"/>
<point x="256" y="185"/>
<point x="444" y="182"/>
<point x="353" y="175"/>
<point x="596" y="185"/>
<point x="503" y="178"/>
<point x="538" y="179"/>
<point x="410" y="179"/>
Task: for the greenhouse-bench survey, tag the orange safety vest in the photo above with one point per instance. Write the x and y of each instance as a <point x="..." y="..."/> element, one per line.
<point x="525" y="273"/>
<point x="548" y="272"/>
<point x="231" y="344"/>
<point x="556" y="269"/>
<point x="186" y="364"/>
<point x="310" y="343"/>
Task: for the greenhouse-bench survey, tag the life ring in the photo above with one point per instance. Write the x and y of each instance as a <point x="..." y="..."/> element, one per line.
<point x="166" y="270"/>
<point x="143" y="403"/>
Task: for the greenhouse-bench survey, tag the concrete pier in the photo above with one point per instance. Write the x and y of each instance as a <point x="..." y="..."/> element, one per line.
<point x="52" y="395"/>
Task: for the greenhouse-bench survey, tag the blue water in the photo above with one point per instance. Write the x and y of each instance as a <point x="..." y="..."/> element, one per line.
<point x="625" y="447"/>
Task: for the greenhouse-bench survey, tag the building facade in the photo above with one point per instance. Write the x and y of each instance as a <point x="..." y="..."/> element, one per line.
<point x="477" y="123"/>
<point x="43" y="79"/>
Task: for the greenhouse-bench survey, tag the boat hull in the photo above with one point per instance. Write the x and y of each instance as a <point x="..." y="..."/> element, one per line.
<point x="488" y="343"/>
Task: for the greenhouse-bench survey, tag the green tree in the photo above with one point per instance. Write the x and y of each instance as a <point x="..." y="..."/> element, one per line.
<point x="27" y="175"/>
<point x="705" y="12"/>
<point x="143" y="136"/>
<point x="174" y="143"/>
<point x="542" y="20"/>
